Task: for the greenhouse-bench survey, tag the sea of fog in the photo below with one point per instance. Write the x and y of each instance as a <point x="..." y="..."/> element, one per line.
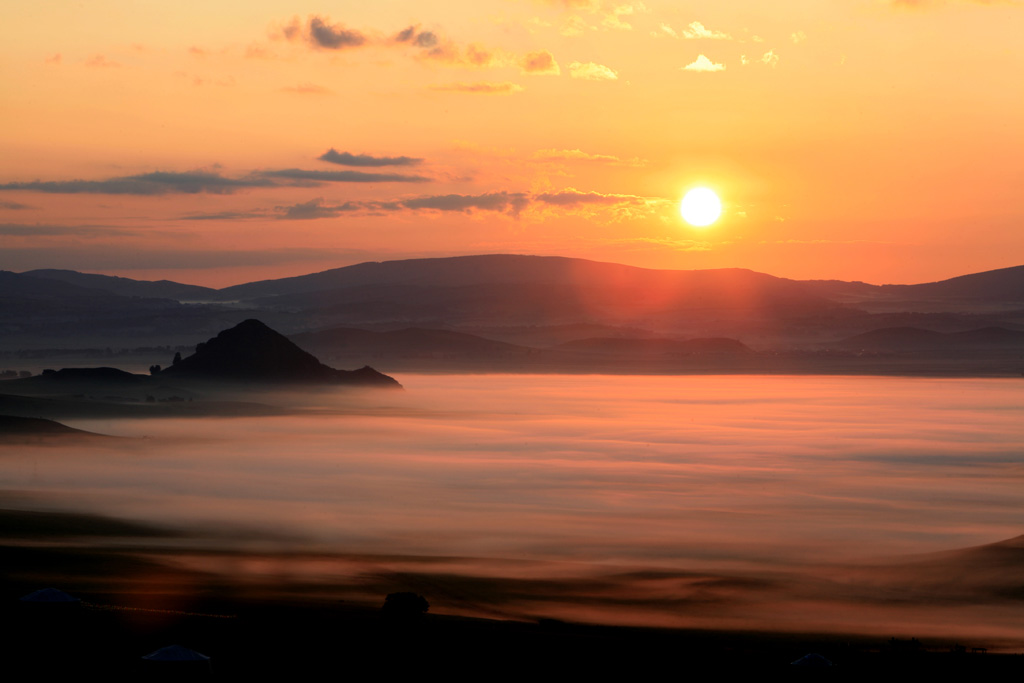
<point x="645" y="500"/>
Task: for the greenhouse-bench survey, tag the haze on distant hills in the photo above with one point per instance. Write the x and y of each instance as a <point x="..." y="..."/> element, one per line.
<point x="546" y="308"/>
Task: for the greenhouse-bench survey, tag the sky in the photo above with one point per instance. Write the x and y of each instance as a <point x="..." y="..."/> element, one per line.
<point x="222" y="142"/>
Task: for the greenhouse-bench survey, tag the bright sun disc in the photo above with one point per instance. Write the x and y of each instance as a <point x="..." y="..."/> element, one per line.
<point x="700" y="207"/>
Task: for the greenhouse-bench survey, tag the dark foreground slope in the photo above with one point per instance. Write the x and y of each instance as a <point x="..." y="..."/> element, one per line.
<point x="135" y="597"/>
<point x="15" y="429"/>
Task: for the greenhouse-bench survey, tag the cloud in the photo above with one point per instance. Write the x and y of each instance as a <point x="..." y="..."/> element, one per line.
<point x="137" y="257"/>
<point x="798" y="36"/>
<point x="573" y="197"/>
<point x="540" y="62"/>
<point x="196" y="182"/>
<point x="923" y="4"/>
<point x="336" y="37"/>
<point x="346" y="159"/>
<point x="51" y="230"/>
<point x="504" y="202"/>
<point x="15" y="206"/>
<point x="146" y="184"/>
<point x="768" y="58"/>
<point x="609" y="13"/>
<point x="579" y="155"/>
<point x="677" y="245"/>
<point x="703" y="64"/>
<point x="434" y="47"/>
<point x="510" y="203"/>
<point x="481" y="88"/>
<point x="314" y="208"/>
<point x="307" y="89"/>
<point x="414" y="36"/>
<point x="341" y="176"/>
<point x="473" y="55"/>
<point x="223" y="216"/>
<point x="100" y="61"/>
<point x="696" y="31"/>
<point x="592" y="72"/>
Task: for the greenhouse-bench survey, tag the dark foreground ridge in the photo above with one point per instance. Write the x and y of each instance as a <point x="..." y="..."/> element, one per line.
<point x="18" y="429"/>
<point x="252" y="352"/>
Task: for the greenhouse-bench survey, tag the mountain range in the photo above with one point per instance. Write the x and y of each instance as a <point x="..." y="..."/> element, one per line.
<point x="493" y="311"/>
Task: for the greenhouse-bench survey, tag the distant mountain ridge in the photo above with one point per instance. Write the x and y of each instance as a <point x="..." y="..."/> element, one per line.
<point x="159" y="289"/>
<point x="457" y="271"/>
<point x="534" y="303"/>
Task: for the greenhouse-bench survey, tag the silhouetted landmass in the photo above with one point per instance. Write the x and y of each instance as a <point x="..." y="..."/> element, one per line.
<point x="664" y="347"/>
<point x="17" y="429"/>
<point x="216" y="380"/>
<point x="913" y="339"/>
<point x="122" y="286"/>
<point x="1004" y="284"/>
<point x="537" y="303"/>
<point x="410" y="341"/>
<point x="252" y="352"/>
<point x="139" y="597"/>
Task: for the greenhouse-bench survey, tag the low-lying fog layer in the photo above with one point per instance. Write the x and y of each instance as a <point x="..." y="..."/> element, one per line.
<point x="645" y="500"/>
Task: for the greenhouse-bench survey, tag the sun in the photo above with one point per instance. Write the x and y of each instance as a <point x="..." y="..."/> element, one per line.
<point x="700" y="207"/>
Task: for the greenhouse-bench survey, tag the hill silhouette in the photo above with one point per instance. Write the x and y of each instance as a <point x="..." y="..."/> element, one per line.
<point x="657" y="346"/>
<point x="19" y="429"/>
<point x="123" y="286"/>
<point x="252" y="352"/>
<point x="914" y="339"/>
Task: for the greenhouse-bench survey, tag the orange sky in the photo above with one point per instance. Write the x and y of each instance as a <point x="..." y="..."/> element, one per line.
<point x="876" y="140"/>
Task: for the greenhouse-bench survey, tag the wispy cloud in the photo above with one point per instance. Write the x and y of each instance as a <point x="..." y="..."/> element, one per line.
<point x="573" y="197"/>
<point x="414" y="36"/>
<point x="307" y="89"/>
<point x="608" y="14"/>
<point x="508" y="203"/>
<point x="768" y="59"/>
<point x="314" y="208"/>
<point x="101" y="62"/>
<point x="436" y="48"/>
<point x="696" y="30"/>
<point x="592" y="72"/>
<point x="15" y="206"/>
<point x="224" y="216"/>
<point x="677" y="245"/>
<point x="333" y="37"/>
<point x="347" y="159"/>
<point x="156" y="183"/>
<point x="54" y="230"/>
<point x="703" y="64"/>
<point x="204" y="182"/>
<point x="540" y="62"/>
<point x="579" y="155"/>
<point x="341" y="176"/>
<point x="924" y="4"/>
<point x="505" y="88"/>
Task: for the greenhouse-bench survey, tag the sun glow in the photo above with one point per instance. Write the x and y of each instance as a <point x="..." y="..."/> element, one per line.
<point x="700" y="207"/>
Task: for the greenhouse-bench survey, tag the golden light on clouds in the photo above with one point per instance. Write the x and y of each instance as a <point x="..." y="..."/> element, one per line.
<point x="219" y="119"/>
